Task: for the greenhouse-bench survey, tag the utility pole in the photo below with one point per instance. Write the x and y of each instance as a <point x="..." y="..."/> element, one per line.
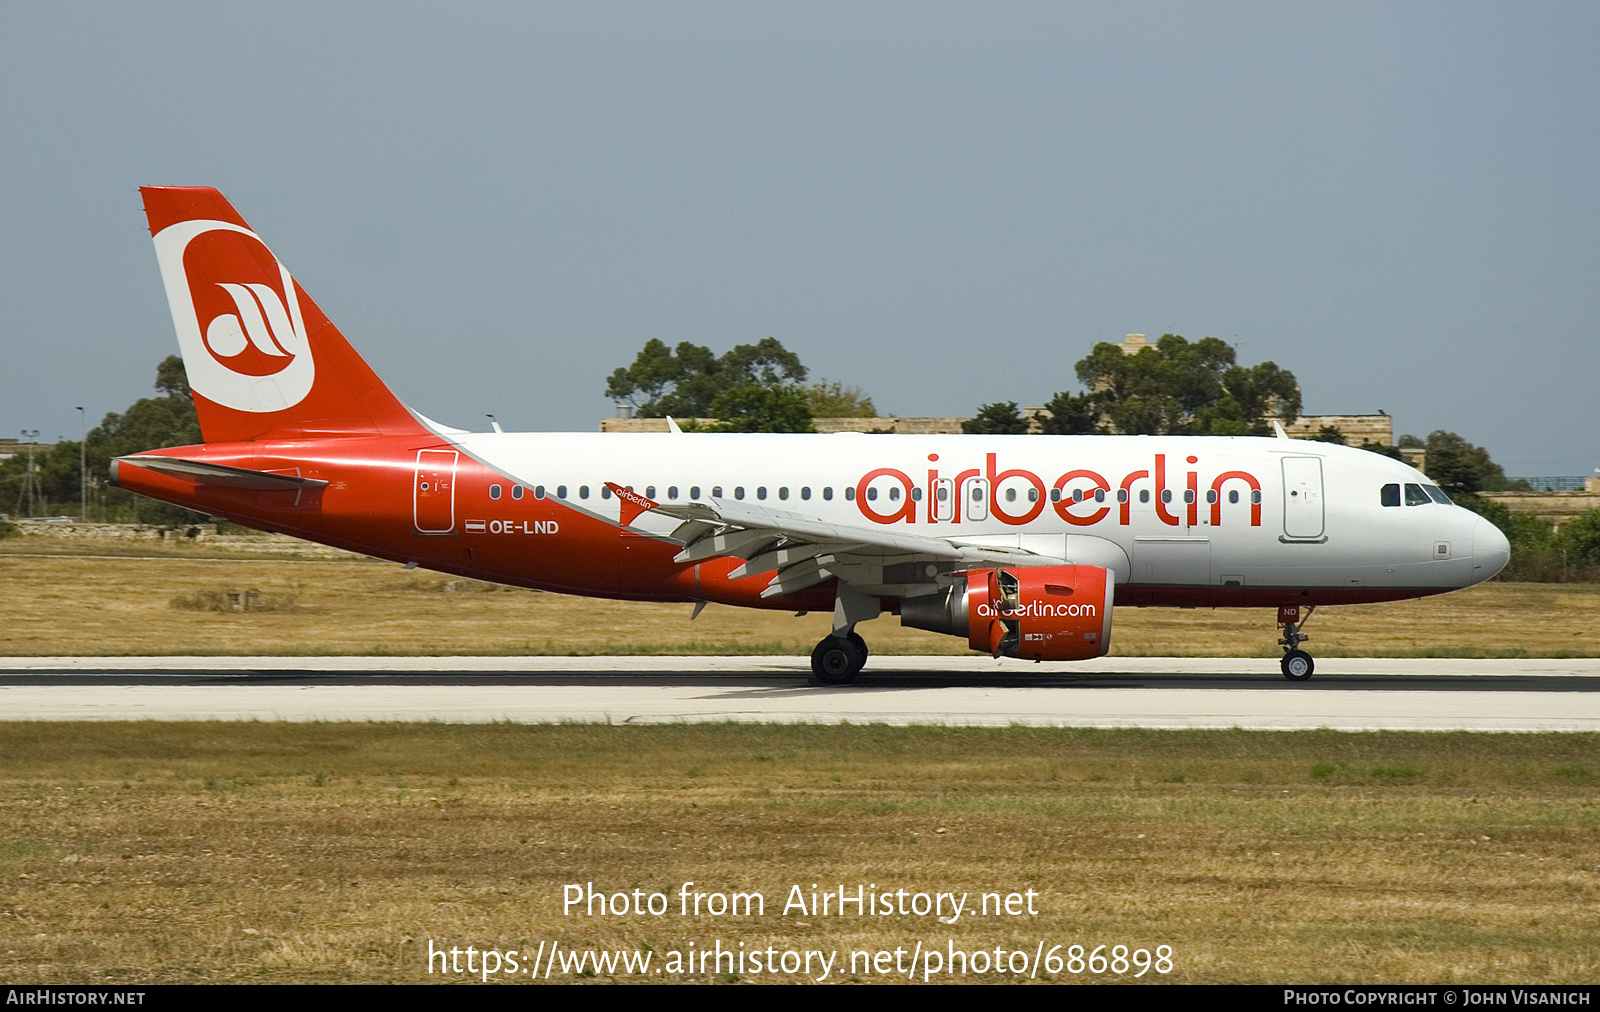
<point x="32" y="436"/>
<point x="83" y="465"/>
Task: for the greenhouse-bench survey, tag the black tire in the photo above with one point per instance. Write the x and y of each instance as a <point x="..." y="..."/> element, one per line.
<point x="835" y="661"/>
<point x="861" y="648"/>
<point x="1298" y="666"/>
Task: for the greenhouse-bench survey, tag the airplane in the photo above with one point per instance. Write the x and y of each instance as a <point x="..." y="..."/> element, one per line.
<point x="1020" y="544"/>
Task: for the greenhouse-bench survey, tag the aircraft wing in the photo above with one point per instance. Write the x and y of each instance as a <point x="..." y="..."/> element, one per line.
<point x="801" y="550"/>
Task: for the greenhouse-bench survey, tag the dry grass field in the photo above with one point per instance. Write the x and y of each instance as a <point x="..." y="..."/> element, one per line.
<point x="85" y="601"/>
<point x="335" y="853"/>
<point x="305" y="853"/>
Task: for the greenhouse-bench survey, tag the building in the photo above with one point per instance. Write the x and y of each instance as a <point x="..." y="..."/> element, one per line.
<point x="888" y="423"/>
<point x="1556" y="507"/>
<point x="15" y="447"/>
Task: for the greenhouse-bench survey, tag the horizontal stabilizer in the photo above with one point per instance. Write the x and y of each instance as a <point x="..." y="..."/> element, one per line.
<point x="221" y="474"/>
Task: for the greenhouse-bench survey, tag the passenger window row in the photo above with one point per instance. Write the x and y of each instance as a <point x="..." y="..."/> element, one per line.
<point x="517" y="491"/>
<point x="1414" y="494"/>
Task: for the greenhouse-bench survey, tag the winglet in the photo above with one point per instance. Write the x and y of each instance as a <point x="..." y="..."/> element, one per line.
<point x="1278" y="430"/>
<point x="632" y="503"/>
<point x="672" y="426"/>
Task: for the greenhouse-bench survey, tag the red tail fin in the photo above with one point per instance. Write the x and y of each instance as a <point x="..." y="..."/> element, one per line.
<point x="263" y="361"/>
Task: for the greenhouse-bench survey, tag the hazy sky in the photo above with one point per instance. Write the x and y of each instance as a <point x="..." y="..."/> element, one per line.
<point x="944" y="204"/>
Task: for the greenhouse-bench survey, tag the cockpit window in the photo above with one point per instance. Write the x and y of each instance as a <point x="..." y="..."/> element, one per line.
<point x="1437" y="495"/>
<point x="1390" y="496"/>
<point x="1415" y="496"/>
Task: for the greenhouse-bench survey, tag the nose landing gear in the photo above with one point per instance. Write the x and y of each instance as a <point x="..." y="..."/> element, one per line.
<point x="1297" y="665"/>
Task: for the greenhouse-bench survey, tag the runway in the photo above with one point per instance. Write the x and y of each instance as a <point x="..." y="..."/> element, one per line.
<point x="1154" y="692"/>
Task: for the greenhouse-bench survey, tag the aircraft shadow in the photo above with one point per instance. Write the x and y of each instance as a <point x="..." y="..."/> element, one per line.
<point x="759" y="683"/>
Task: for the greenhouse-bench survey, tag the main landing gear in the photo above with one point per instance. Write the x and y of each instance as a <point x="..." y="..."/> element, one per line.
<point x="1297" y="664"/>
<point x="841" y="655"/>
<point x="837" y="659"/>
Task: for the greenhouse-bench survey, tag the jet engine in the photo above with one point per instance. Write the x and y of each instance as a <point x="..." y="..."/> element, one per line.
<point x="1043" y="613"/>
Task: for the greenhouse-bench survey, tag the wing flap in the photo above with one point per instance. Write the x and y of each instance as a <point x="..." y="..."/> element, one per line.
<point x="800" y="528"/>
<point x="801" y="551"/>
<point x="803" y="574"/>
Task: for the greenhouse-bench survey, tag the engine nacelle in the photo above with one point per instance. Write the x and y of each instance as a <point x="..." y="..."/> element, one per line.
<point x="1044" y="613"/>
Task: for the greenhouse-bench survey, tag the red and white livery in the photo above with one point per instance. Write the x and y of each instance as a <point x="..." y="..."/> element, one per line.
<point x="1018" y="543"/>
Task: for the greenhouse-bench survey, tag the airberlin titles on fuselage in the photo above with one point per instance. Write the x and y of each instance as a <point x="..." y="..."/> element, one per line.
<point x="1078" y="489"/>
<point x="1075" y="489"/>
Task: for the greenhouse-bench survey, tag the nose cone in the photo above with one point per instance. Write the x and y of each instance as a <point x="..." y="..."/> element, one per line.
<point x="1490" y="551"/>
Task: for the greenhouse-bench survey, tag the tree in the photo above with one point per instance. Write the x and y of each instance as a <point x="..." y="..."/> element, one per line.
<point x="754" y="407"/>
<point x="173" y="380"/>
<point x="685" y="382"/>
<point x="835" y="400"/>
<point x="1330" y="434"/>
<point x="1580" y="536"/>
<point x="1494" y="512"/>
<point x="1459" y="467"/>
<point x="148" y="424"/>
<point x="999" y="418"/>
<point x="1071" y="415"/>
<point x="1177" y="388"/>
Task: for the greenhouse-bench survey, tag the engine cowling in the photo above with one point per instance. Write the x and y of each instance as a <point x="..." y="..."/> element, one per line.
<point x="1044" y="613"/>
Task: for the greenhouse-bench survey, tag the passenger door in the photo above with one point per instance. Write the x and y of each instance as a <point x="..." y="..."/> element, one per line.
<point x="1303" y="518"/>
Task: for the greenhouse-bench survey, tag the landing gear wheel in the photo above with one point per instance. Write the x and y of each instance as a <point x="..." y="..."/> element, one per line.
<point x="835" y="661"/>
<point x="861" y="647"/>
<point x="1298" y="666"/>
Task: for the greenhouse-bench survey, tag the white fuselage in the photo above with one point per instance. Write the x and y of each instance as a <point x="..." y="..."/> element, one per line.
<point x="1319" y="522"/>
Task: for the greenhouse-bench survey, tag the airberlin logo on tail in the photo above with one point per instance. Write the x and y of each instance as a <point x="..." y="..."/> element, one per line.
<point x="261" y="312"/>
<point x="237" y="315"/>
